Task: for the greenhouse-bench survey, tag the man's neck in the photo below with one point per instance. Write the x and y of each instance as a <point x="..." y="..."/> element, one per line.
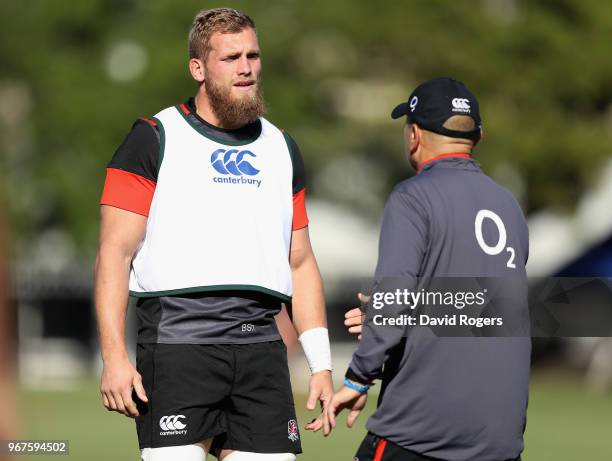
<point x="454" y="148"/>
<point x="431" y="159"/>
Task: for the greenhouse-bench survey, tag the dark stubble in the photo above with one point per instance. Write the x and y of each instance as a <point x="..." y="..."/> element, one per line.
<point x="235" y="112"/>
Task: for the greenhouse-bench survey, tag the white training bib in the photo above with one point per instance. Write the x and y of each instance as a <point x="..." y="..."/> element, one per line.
<point x="221" y="214"/>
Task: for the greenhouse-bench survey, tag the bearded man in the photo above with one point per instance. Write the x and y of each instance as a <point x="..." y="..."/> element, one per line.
<point x="203" y="220"/>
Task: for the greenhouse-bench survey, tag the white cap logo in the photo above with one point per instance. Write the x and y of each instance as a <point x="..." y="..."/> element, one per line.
<point x="461" y="105"/>
<point x="413" y="103"/>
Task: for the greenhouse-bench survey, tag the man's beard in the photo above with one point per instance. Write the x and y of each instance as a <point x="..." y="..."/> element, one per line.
<point x="235" y="112"/>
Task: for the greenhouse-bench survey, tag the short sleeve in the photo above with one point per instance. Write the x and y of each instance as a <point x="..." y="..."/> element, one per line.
<point x="300" y="216"/>
<point x="131" y="175"/>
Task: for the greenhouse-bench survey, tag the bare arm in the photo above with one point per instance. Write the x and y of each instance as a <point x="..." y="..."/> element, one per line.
<point x="120" y="234"/>
<point x="308" y="313"/>
<point x="308" y="300"/>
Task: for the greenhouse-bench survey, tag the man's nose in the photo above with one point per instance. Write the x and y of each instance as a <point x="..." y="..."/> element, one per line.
<point x="244" y="66"/>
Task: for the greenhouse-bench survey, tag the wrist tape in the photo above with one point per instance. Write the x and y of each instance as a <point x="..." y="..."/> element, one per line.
<point x="315" y="343"/>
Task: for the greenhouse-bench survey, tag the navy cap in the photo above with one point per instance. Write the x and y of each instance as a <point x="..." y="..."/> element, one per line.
<point x="432" y="103"/>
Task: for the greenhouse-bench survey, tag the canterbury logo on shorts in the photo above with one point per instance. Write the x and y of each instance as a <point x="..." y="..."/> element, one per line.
<point x="171" y="425"/>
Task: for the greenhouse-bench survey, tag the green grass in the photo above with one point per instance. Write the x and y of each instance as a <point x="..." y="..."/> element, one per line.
<point x="565" y="423"/>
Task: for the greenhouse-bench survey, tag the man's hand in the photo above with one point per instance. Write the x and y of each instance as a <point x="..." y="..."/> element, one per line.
<point x="118" y="378"/>
<point x="346" y="398"/>
<point x="321" y="389"/>
<point x="354" y="318"/>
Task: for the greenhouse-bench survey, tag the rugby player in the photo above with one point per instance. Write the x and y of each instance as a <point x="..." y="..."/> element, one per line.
<point x="203" y="220"/>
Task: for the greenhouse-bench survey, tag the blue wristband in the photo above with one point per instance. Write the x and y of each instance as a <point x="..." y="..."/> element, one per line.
<point x="351" y="385"/>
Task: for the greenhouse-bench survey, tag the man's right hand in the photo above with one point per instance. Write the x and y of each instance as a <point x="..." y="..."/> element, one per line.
<point x="119" y="377"/>
<point x="354" y="318"/>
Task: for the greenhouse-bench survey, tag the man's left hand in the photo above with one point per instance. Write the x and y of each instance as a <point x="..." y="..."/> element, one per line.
<point x="346" y="398"/>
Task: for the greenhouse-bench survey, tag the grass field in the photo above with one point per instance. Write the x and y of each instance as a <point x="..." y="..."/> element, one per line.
<point x="565" y="423"/>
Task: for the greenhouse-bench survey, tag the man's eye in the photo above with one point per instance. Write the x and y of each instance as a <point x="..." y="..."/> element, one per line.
<point x="253" y="56"/>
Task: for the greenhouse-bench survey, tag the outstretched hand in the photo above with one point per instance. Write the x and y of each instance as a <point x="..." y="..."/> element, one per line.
<point x="348" y="398"/>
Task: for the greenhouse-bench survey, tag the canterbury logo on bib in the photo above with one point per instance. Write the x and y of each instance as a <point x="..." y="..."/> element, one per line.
<point x="235" y="167"/>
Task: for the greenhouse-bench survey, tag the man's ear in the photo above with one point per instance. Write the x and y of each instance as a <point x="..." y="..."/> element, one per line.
<point x="415" y="137"/>
<point x="197" y="69"/>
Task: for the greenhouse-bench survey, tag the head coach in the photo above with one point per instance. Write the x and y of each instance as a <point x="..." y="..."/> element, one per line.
<point x="443" y="398"/>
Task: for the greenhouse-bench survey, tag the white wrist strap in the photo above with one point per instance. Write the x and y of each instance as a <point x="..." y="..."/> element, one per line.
<point x="315" y="343"/>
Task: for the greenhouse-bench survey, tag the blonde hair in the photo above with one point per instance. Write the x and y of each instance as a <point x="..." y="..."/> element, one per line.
<point x="208" y="22"/>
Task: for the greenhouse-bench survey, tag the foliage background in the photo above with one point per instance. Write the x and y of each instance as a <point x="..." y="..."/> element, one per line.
<point x="74" y="75"/>
<point x="333" y="71"/>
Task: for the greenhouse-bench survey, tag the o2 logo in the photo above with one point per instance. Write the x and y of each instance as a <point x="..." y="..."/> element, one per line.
<point x="233" y="162"/>
<point x="413" y="103"/>
<point x="501" y="243"/>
